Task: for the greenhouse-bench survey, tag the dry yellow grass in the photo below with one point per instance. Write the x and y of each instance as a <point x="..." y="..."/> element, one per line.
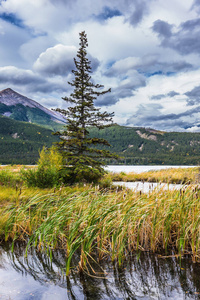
<point x="179" y="175"/>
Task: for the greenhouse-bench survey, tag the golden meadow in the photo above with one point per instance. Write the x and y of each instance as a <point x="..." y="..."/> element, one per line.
<point x="102" y="222"/>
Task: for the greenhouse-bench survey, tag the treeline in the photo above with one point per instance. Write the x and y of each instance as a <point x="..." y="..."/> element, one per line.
<point x="20" y="142"/>
<point x="146" y="146"/>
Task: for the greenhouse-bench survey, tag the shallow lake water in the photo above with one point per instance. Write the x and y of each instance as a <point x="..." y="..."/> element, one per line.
<point x="144" y="276"/>
<point x="139" y="169"/>
<point x="146" y="187"/>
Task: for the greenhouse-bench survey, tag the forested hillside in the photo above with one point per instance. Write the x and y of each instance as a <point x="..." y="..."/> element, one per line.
<point x="21" y="141"/>
<point x="148" y="146"/>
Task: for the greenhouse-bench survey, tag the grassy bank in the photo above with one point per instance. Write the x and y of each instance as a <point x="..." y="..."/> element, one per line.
<point x="102" y="223"/>
<point x="105" y="223"/>
<point x="179" y="175"/>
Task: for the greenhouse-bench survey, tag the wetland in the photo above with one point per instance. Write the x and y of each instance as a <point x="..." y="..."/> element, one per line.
<point x="100" y="242"/>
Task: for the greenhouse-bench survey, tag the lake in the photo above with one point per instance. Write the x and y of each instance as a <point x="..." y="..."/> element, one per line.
<point x="140" y="169"/>
<point x="143" y="186"/>
<point x="146" y="187"/>
<point x="144" y="276"/>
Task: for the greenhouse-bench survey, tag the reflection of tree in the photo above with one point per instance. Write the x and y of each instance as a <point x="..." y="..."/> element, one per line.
<point x="148" y="275"/>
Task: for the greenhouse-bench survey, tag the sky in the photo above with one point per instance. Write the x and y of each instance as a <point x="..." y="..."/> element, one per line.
<point x="146" y="51"/>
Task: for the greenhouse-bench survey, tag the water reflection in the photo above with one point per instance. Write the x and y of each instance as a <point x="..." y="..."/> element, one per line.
<point x="146" y="187"/>
<point x="144" y="276"/>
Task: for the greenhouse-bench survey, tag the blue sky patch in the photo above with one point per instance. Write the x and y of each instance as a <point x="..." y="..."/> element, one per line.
<point x="11" y="18"/>
<point x="108" y="13"/>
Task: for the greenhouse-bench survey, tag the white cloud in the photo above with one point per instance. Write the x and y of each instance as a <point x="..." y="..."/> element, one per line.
<point x="17" y="76"/>
<point x="37" y="58"/>
<point x="57" y="60"/>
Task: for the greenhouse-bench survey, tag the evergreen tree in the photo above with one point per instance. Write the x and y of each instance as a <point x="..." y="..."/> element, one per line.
<point x="83" y="159"/>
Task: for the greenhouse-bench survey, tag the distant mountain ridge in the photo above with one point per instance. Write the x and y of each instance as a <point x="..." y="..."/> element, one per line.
<point x="21" y="108"/>
<point x="20" y="142"/>
<point x="146" y="146"/>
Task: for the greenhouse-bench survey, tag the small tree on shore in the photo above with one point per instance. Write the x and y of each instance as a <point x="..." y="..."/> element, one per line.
<point x="83" y="160"/>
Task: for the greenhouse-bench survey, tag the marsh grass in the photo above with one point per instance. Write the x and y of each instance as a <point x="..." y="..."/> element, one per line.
<point x="179" y="175"/>
<point x="10" y="177"/>
<point x="99" y="224"/>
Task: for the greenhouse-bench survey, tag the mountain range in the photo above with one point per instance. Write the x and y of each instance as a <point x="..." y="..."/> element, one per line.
<point x="21" y="108"/>
<point x="26" y="126"/>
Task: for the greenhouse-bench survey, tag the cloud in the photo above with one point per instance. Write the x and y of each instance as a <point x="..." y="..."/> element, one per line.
<point x="17" y="76"/>
<point x="194" y="96"/>
<point x="11" y="38"/>
<point x="108" y="13"/>
<point x="59" y="60"/>
<point x="140" y="10"/>
<point x="144" y="113"/>
<point x="150" y="115"/>
<point x="51" y="15"/>
<point x="149" y="64"/>
<point x="162" y="28"/>
<point x="106" y="100"/>
<point x="185" y="40"/>
<point x="196" y="5"/>
<point x="125" y="88"/>
<point x="140" y="57"/>
<point x="12" y="18"/>
<point x="20" y="78"/>
<point x="171" y="94"/>
<point x="158" y="97"/>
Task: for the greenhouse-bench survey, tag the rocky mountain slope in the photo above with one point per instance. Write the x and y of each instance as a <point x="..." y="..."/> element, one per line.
<point x="21" y="108"/>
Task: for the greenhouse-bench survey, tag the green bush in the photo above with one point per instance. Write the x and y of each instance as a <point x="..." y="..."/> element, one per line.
<point x="48" y="173"/>
<point x="81" y="174"/>
<point x="9" y="178"/>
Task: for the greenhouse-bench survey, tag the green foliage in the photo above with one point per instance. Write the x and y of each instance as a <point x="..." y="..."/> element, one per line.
<point x="99" y="224"/>
<point x="9" y="178"/>
<point x="20" y="142"/>
<point x="84" y="160"/>
<point x="169" y="148"/>
<point x="143" y="146"/>
<point x="47" y="174"/>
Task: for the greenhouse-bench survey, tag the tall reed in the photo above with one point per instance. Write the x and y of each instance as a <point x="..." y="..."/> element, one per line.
<point x="101" y="223"/>
<point x="172" y="175"/>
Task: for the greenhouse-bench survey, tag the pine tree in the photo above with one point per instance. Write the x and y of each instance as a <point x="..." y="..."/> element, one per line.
<point x="83" y="159"/>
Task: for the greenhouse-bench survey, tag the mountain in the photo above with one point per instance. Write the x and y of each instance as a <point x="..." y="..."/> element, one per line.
<point x="148" y="146"/>
<point x="20" y="142"/>
<point x="21" y="108"/>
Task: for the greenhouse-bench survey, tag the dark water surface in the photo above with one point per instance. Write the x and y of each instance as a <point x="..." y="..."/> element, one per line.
<point x="145" y="276"/>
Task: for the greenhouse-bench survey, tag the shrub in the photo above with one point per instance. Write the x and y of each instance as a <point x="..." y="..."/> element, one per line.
<point x="48" y="172"/>
<point x="9" y="178"/>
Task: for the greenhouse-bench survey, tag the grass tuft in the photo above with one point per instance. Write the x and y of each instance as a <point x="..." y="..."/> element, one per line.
<point x="103" y="223"/>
